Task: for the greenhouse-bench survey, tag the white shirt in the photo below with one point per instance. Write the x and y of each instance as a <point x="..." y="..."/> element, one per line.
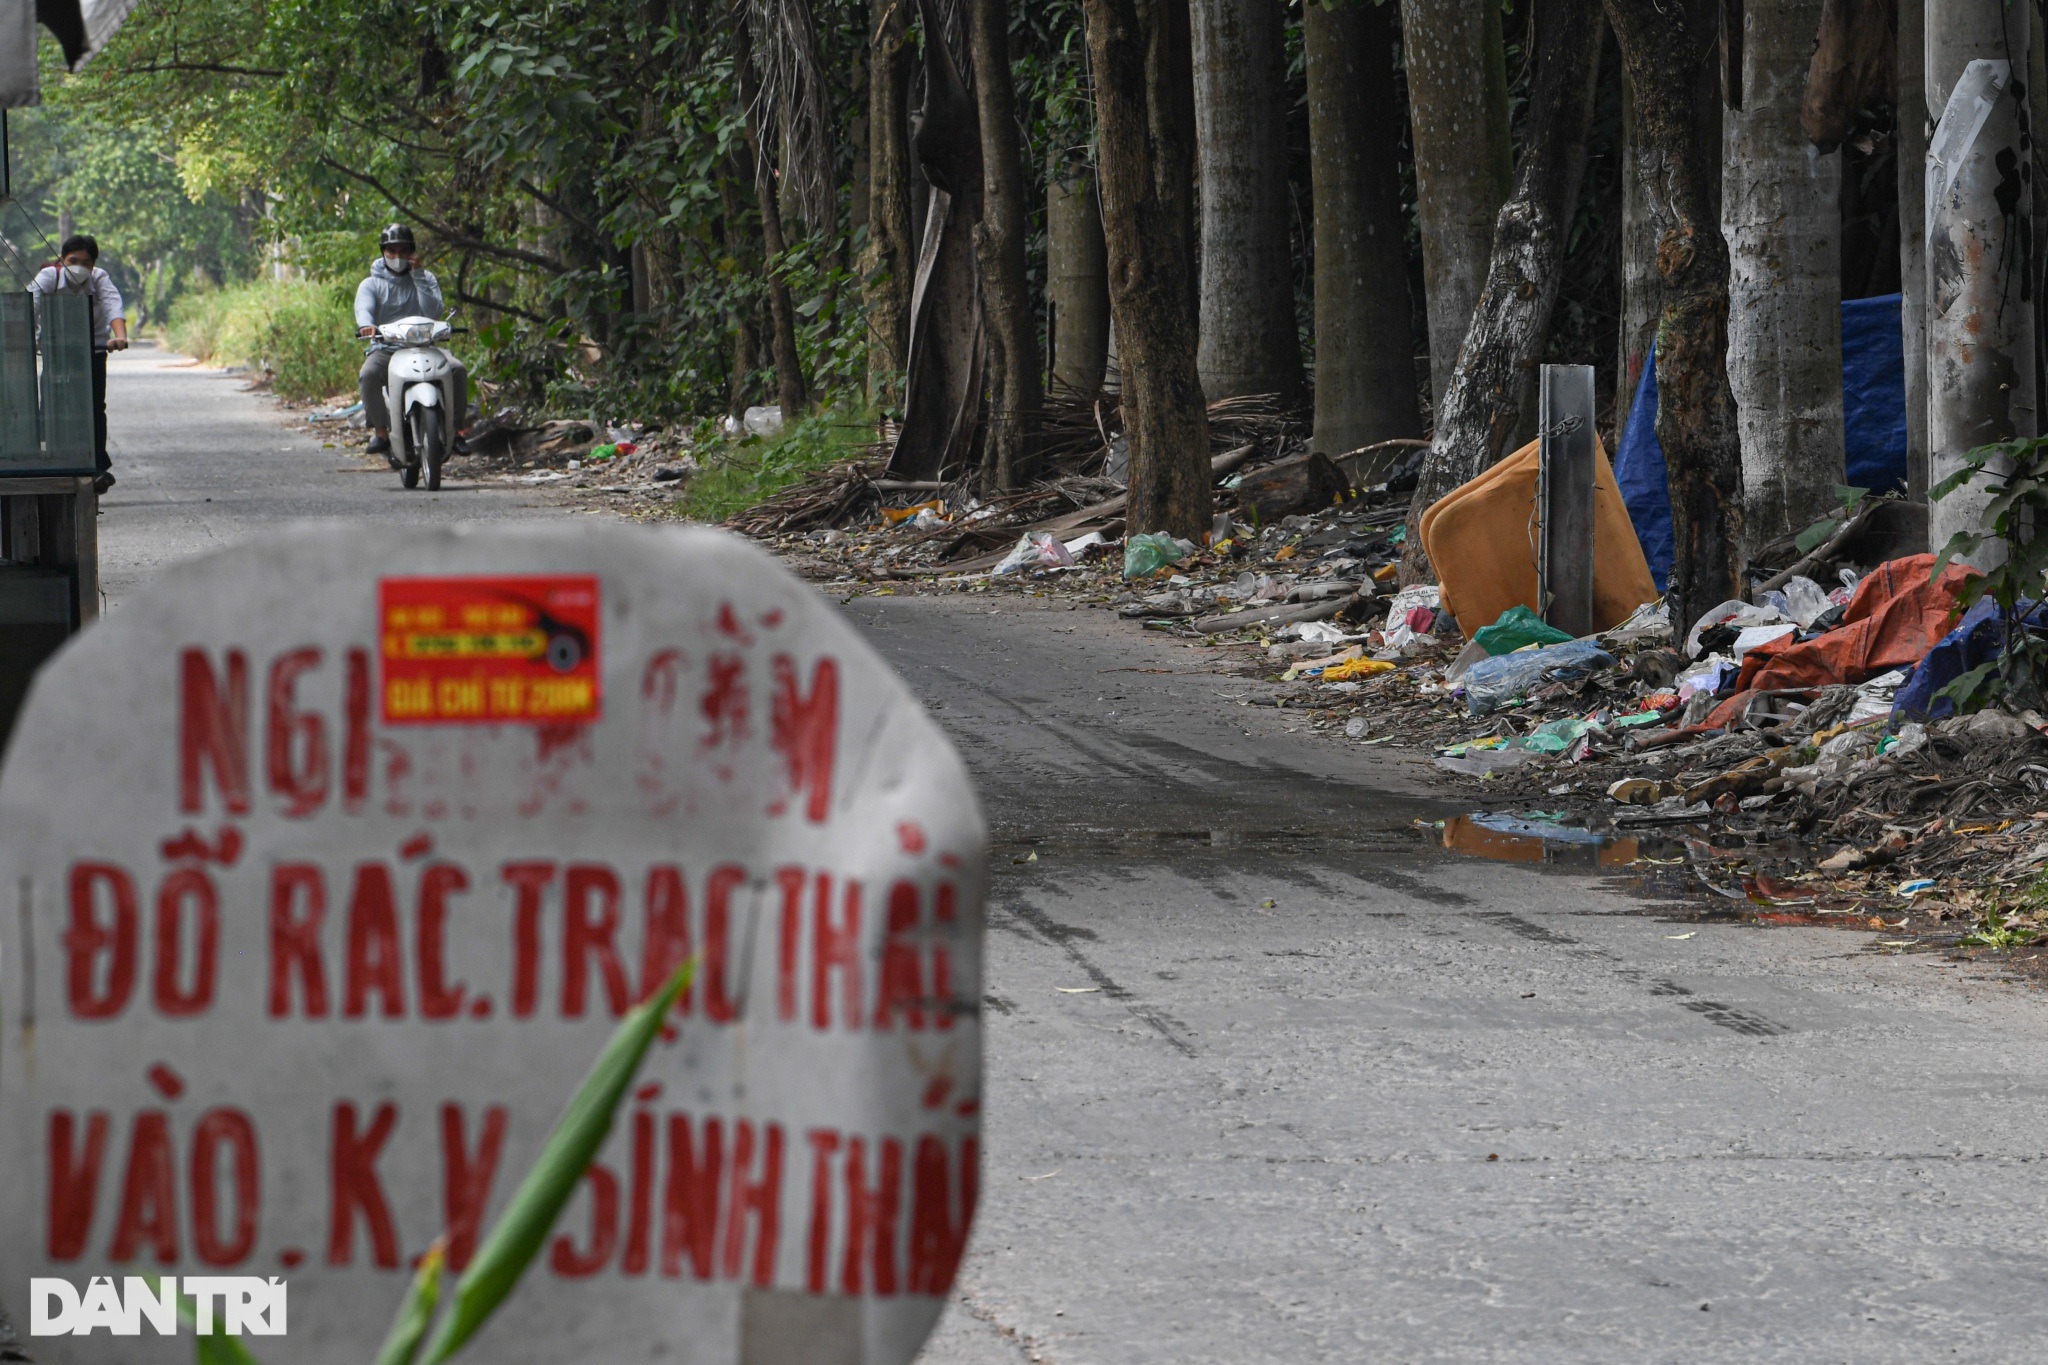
<point x="99" y="285"/>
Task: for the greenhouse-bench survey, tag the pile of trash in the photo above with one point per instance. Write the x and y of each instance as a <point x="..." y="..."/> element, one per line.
<point x="1793" y="745"/>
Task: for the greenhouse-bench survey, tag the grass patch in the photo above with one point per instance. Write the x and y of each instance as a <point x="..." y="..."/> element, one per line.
<point x="303" y="334"/>
<point x="742" y="474"/>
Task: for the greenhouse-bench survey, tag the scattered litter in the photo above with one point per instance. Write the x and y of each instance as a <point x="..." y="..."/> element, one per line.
<point x="1077" y="990"/>
<point x="1677" y="938"/>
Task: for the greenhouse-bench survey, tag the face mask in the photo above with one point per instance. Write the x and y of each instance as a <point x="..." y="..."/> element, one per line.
<point x="77" y="274"/>
<point x="397" y="265"/>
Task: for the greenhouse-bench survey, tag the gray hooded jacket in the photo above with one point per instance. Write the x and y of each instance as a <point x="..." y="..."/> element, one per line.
<point x="387" y="297"/>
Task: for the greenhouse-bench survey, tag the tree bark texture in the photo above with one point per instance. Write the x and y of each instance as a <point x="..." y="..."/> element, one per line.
<point x="1146" y="165"/>
<point x="999" y="252"/>
<point x="1912" y="180"/>
<point x="948" y="343"/>
<point x="1642" y="288"/>
<point x="1854" y="64"/>
<point x="1503" y="344"/>
<point x="1781" y="212"/>
<point x="890" y="260"/>
<point x="1364" y="318"/>
<point x="1980" y="304"/>
<point x="1663" y="48"/>
<point x="1249" y="341"/>
<point x="1077" y="285"/>
<point x="789" y="371"/>
<point x="1464" y="161"/>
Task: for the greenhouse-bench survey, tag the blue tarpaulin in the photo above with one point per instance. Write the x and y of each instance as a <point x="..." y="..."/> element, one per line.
<point x="1873" y="426"/>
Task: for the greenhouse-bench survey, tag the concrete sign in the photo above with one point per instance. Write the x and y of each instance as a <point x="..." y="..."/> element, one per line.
<point x="327" y="867"/>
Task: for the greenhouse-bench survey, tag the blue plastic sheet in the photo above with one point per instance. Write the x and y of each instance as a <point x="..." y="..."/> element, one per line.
<point x="1639" y="470"/>
<point x="1874" y="394"/>
<point x="1974" y="642"/>
<point x="1873" y="426"/>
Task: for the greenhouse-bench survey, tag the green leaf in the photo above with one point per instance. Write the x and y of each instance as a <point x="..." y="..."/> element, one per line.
<point x="516" y="1238"/>
<point x="216" y="1347"/>
<point x="1849" y="497"/>
<point x="416" y="1314"/>
<point x="1963" y="691"/>
<point x="1816" y="533"/>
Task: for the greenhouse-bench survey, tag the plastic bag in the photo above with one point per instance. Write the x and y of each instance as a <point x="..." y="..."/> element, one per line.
<point x="1401" y="631"/>
<point x="1736" y="614"/>
<point x="1806" y="601"/>
<point x="1492" y="683"/>
<point x="1035" y="550"/>
<point x="1650" y="621"/>
<point x="1147" y="554"/>
<point x="1516" y="627"/>
<point x="1709" y="675"/>
<point x="764" y="421"/>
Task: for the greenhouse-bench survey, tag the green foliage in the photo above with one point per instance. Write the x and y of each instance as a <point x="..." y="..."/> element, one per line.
<point x="303" y="334"/>
<point x="215" y="1347"/>
<point x="416" y="1314"/>
<point x="1814" y="535"/>
<point x="2006" y="927"/>
<point x="516" y="1238"/>
<point x="753" y="469"/>
<point x="2014" y="476"/>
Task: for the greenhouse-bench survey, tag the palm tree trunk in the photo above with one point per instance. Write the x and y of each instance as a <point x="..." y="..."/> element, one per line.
<point x="1464" y="161"/>
<point x="999" y="251"/>
<point x="1781" y="210"/>
<point x="1146" y="161"/>
<point x="1662" y="49"/>
<point x="1249" y="340"/>
<point x="1365" y="367"/>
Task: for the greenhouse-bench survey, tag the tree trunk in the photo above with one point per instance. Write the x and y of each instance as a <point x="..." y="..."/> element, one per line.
<point x="1662" y="49"/>
<point x="1146" y="165"/>
<point x="1912" y="164"/>
<point x="789" y="373"/>
<point x="999" y="251"/>
<point x="1511" y="321"/>
<point x="1249" y="340"/>
<point x="746" y="339"/>
<point x="890" y="260"/>
<point x="1980" y="325"/>
<point x="1077" y="284"/>
<point x="1781" y="211"/>
<point x="948" y="341"/>
<point x="1464" y="161"/>
<point x="1364" y="319"/>
<point x="1642" y="288"/>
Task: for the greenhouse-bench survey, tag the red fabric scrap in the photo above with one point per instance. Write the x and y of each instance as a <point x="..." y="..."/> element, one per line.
<point x="1894" y="619"/>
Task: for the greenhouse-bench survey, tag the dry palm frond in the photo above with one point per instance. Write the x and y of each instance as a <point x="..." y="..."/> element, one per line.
<point x="794" y="101"/>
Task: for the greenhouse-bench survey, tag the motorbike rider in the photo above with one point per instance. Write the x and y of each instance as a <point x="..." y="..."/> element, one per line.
<point x="398" y="288"/>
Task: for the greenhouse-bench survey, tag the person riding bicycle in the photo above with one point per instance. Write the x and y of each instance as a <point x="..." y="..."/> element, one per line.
<point x="398" y="288"/>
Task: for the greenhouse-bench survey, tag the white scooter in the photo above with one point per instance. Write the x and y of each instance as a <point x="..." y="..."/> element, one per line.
<point x="419" y="393"/>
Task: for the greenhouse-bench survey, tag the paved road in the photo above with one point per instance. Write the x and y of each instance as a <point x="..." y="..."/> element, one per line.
<point x="202" y="462"/>
<point x="1271" y="1081"/>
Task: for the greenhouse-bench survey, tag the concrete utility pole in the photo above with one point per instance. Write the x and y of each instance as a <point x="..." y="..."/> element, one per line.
<point x="1781" y="210"/>
<point x="1980" y="308"/>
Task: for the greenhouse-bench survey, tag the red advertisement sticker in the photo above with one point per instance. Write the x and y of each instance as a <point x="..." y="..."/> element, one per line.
<point x="489" y="651"/>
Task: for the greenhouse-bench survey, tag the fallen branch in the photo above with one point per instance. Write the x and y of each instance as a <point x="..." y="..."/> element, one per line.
<point x="1825" y="551"/>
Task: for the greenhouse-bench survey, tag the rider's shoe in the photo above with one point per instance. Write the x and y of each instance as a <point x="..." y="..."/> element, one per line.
<point x="380" y="445"/>
<point x="461" y="444"/>
<point x="105" y="481"/>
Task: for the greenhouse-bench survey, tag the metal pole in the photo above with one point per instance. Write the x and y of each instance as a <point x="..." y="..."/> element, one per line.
<point x="1564" y="493"/>
<point x="1980" y="310"/>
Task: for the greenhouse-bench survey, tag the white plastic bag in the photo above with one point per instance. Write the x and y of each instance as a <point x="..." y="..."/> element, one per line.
<point x="1035" y="550"/>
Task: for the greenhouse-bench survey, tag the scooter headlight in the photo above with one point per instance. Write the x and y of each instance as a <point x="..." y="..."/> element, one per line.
<point x="419" y="334"/>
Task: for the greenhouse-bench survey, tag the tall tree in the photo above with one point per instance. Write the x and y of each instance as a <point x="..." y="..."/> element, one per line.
<point x="890" y="259"/>
<point x="1464" y="161"/>
<point x="789" y="370"/>
<point x="999" y="250"/>
<point x="1077" y="281"/>
<point x="1642" y="288"/>
<point x="1365" y="367"/>
<point x="1511" y="321"/>
<point x="1146" y="164"/>
<point x="1781" y="210"/>
<point x="1249" y="340"/>
<point x="1662" y="48"/>
<point x="1980" y="285"/>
